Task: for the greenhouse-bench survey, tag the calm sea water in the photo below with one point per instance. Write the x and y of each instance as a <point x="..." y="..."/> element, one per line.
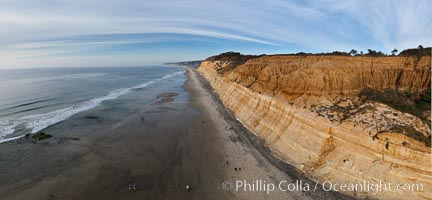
<point x="33" y="99"/>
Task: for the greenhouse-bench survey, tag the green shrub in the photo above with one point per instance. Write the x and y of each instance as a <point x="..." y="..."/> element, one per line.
<point x="413" y="103"/>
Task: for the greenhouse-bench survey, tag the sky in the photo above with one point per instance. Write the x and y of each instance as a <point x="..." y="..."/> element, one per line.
<point x="91" y="33"/>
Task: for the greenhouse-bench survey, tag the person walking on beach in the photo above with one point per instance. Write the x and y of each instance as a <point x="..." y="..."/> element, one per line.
<point x="132" y="187"/>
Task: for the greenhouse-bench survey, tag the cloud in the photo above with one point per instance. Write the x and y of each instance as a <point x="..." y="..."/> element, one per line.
<point x="43" y="28"/>
<point x="402" y="24"/>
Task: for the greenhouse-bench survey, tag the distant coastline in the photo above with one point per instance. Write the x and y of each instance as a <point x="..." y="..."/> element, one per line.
<point x="194" y="64"/>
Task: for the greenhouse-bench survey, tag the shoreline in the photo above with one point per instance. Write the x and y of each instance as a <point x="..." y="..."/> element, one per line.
<point x="163" y="146"/>
<point x="252" y="141"/>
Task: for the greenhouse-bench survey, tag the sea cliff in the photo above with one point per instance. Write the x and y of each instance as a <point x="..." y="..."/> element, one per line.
<point x="314" y="113"/>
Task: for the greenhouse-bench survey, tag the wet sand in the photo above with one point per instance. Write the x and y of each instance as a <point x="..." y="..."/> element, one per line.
<point x="188" y="140"/>
<point x="242" y="149"/>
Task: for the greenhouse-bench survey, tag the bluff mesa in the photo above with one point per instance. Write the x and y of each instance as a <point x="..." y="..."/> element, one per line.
<point x="308" y="109"/>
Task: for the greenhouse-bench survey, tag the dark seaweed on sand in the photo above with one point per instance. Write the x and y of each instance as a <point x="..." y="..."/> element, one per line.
<point x="91" y="117"/>
<point x="38" y="136"/>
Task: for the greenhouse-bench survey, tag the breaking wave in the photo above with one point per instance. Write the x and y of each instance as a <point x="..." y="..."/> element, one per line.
<point x="35" y="123"/>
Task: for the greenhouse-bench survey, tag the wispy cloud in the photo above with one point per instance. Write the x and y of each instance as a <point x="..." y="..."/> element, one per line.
<point x="401" y="24"/>
<point x="56" y="32"/>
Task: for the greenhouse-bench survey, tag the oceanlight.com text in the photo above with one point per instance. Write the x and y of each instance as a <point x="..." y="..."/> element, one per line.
<point x="327" y="186"/>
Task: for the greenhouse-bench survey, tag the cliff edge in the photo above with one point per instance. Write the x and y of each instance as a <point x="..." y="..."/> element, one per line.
<point x="344" y="119"/>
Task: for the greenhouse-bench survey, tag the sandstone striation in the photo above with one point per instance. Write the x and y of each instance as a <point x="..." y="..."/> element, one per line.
<point x="308" y="110"/>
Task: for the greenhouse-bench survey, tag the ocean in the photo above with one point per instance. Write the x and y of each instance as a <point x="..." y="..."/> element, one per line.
<point x="34" y="99"/>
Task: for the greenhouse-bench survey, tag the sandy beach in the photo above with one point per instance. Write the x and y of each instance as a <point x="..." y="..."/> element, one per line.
<point x="242" y="149"/>
<point x="180" y="144"/>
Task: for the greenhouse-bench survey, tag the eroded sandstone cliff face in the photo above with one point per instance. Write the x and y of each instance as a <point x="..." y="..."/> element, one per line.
<point x="308" y="111"/>
<point x="303" y="78"/>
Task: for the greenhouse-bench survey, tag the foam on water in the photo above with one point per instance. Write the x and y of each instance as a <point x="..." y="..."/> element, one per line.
<point x="35" y="123"/>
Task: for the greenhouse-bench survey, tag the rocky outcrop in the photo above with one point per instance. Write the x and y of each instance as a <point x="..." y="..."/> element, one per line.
<point x="289" y="101"/>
